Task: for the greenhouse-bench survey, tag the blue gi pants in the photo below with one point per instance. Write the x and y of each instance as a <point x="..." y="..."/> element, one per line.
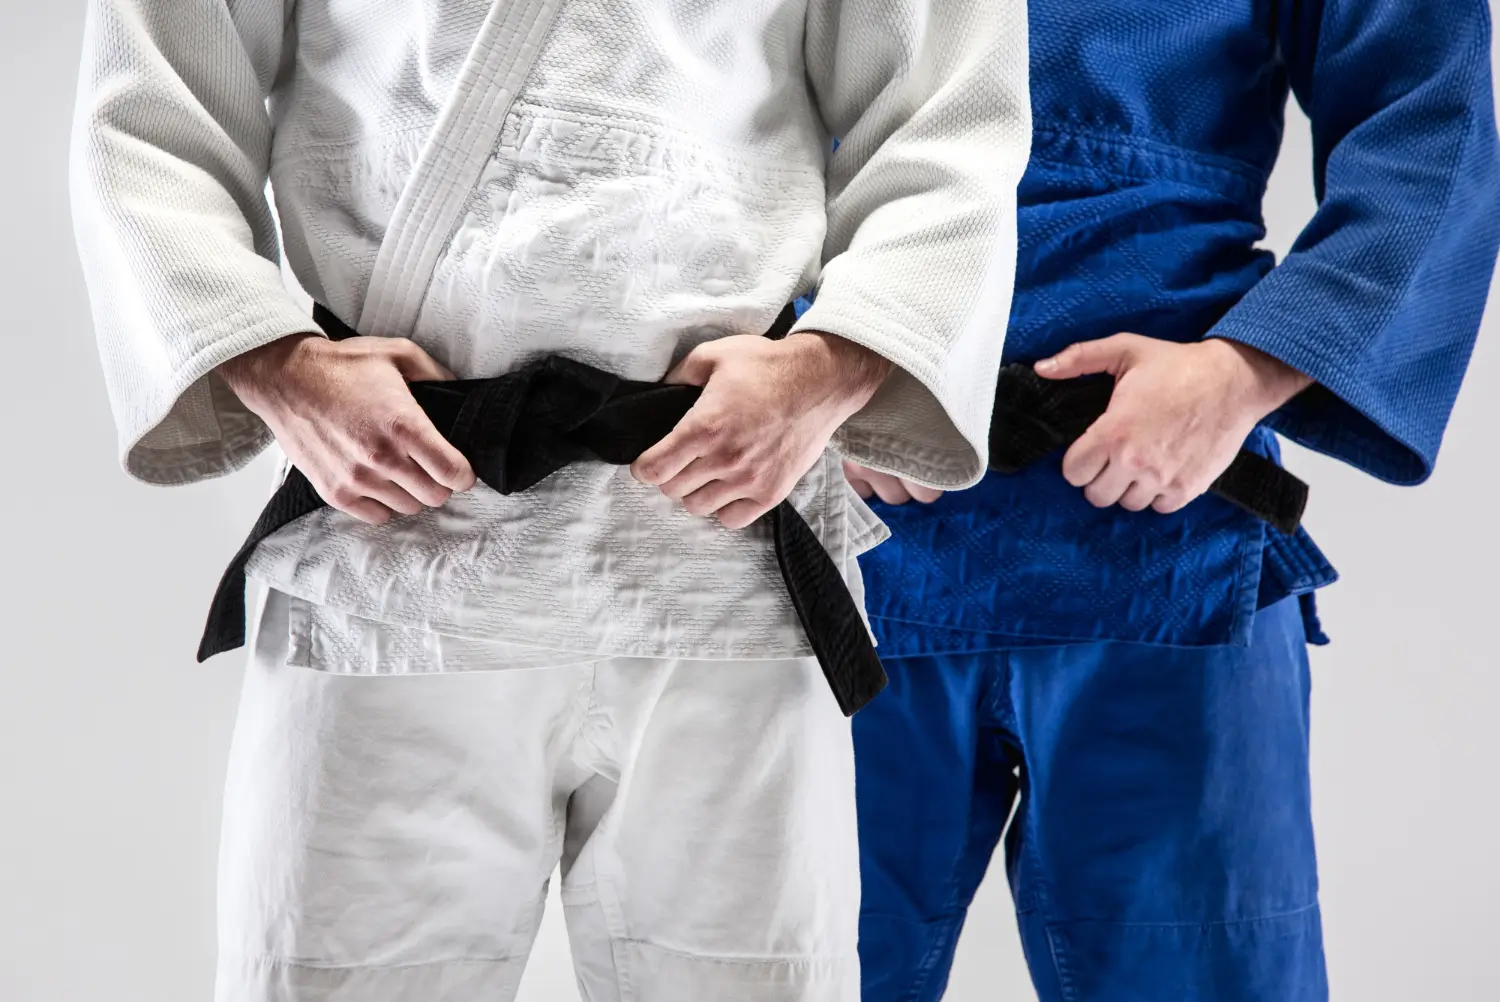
<point x="1161" y="848"/>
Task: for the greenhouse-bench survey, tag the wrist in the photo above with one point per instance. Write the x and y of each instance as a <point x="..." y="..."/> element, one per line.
<point x="254" y="374"/>
<point x="845" y="370"/>
<point x="1270" y="381"/>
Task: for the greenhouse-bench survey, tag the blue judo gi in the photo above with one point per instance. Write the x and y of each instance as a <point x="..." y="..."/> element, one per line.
<point x="1135" y="685"/>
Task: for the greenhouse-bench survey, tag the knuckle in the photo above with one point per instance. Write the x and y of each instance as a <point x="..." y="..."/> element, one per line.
<point x="758" y="488"/>
<point x="399" y="426"/>
<point x="1121" y="437"/>
<point x="1142" y="466"/>
<point x="1158" y="471"/>
<point x="380" y="454"/>
<point x="734" y="455"/>
<point x="768" y="492"/>
<point x="740" y="474"/>
<point x="1111" y="437"/>
<point x="343" y="496"/>
<point x="711" y="431"/>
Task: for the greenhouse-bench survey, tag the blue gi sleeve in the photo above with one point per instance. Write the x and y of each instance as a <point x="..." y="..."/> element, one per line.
<point x="1379" y="301"/>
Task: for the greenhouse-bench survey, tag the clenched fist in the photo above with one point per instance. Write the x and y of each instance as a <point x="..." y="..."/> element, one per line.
<point x="1179" y="415"/>
<point x="343" y="414"/>
<point x="767" y="412"/>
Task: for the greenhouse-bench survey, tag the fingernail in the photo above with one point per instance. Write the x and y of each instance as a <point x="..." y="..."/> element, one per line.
<point x="1047" y="365"/>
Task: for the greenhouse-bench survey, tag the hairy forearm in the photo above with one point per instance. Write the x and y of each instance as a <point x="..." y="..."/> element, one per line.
<point x="254" y="375"/>
<point x="847" y="372"/>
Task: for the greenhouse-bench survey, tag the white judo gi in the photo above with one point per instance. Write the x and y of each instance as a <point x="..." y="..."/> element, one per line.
<point x="611" y="180"/>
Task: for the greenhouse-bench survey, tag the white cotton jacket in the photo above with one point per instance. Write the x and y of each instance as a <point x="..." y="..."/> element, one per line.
<point x="611" y="180"/>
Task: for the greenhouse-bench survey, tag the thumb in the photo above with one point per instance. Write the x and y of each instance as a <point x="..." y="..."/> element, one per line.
<point x="694" y="369"/>
<point x="1111" y="354"/>
<point x="414" y="364"/>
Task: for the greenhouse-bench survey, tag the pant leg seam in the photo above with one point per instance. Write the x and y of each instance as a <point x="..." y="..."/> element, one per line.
<point x="1057" y="946"/>
<point x="1216" y="924"/>
<point x="1065" y="982"/>
<point x="941" y="917"/>
<point x="956" y="875"/>
<point x="950" y="926"/>
<point x="728" y="959"/>
<point x="312" y="965"/>
<point x="951" y="920"/>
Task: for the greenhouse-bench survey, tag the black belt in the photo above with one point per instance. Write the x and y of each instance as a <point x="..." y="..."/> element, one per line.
<point x="520" y="428"/>
<point x="1035" y="416"/>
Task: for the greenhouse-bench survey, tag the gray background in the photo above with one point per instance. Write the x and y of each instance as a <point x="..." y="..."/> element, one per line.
<point x="113" y="742"/>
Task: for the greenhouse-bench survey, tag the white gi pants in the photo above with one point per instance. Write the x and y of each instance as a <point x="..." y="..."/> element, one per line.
<point x="391" y="838"/>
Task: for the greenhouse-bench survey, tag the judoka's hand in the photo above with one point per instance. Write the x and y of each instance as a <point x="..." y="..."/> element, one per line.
<point x="1179" y="415"/>
<point x="342" y="412"/>
<point x="767" y="412"/>
<point x="891" y="489"/>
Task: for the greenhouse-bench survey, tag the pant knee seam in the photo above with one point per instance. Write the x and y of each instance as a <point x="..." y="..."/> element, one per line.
<point x="1216" y="924"/>
<point x="314" y="965"/>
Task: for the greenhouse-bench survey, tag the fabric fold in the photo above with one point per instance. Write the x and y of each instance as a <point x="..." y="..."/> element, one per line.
<point x="520" y="428"/>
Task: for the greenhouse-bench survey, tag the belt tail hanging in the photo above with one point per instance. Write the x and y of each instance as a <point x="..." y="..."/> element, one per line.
<point x="829" y="615"/>
<point x="519" y="428"/>
<point x="225" y="629"/>
<point x="1035" y="416"/>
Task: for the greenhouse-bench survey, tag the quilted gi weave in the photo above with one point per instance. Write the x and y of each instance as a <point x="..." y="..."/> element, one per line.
<point x="1157" y="124"/>
<point x="614" y="181"/>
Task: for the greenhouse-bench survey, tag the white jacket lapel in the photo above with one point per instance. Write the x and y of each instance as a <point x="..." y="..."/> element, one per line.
<point x="451" y="161"/>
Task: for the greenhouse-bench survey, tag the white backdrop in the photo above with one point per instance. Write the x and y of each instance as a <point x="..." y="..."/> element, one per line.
<point x="113" y="742"/>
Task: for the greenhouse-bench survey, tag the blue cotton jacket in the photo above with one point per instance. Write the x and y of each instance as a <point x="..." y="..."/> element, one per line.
<point x="1157" y="124"/>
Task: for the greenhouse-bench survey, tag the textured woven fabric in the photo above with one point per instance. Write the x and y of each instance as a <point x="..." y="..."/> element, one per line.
<point x="392" y="839"/>
<point x="519" y="429"/>
<point x="1157" y="124"/>
<point x="1157" y="812"/>
<point x="1036" y="416"/>
<point x="615" y="181"/>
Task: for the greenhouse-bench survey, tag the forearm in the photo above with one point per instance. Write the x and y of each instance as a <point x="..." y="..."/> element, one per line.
<point x="1379" y="300"/>
<point x="1268" y="382"/>
<point x="845" y="373"/>
<point x="256" y="376"/>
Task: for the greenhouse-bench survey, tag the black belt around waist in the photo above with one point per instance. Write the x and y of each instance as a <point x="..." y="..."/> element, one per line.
<point x="1035" y="416"/>
<point x="522" y="427"/>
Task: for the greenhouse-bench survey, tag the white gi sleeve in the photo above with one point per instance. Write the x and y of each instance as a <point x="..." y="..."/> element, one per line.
<point x="170" y="154"/>
<point x="929" y="101"/>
